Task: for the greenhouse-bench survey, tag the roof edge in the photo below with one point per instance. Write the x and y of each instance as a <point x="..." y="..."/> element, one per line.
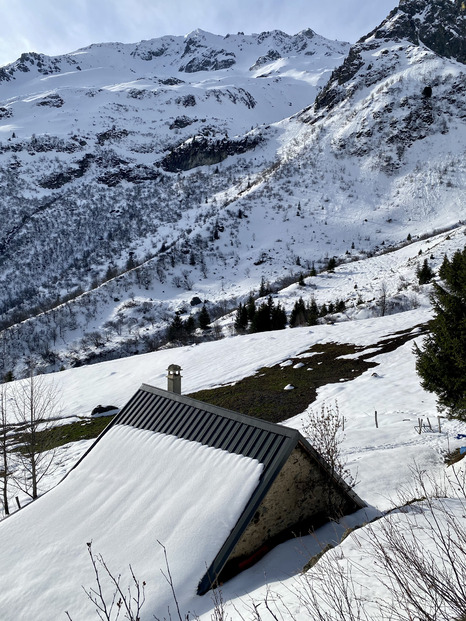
<point x="216" y="409"/>
<point x="265" y="483"/>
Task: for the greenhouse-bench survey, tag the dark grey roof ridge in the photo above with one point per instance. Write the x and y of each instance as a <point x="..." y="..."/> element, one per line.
<point x="217" y="409"/>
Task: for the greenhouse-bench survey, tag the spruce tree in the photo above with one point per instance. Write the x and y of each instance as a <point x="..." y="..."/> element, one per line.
<point x="298" y="315"/>
<point x="261" y="322"/>
<point x="189" y="325"/>
<point x="241" y="318"/>
<point x="313" y="313"/>
<point x="204" y="318"/>
<point x="251" y="308"/>
<point x="278" y="317"/>
<point x="176" y="328"/>
<point x="441" y="363"/>
<point x="269" y="317"/>
<point x="424" y="274"/>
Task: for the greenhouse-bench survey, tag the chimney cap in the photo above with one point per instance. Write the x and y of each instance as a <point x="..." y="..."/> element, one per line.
<point x="174" y="379"/>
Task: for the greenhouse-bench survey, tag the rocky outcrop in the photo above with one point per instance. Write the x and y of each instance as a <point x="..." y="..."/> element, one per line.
<point x="200" y="151"/>
<point x="212" y="60"/>
<point x="440" y="25"/>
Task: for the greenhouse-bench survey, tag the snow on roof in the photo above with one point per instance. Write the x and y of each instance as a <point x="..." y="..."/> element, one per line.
<point x="134" y="489"/>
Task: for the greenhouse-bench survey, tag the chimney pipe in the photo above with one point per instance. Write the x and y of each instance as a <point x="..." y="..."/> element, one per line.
<point x="174" y="379"/>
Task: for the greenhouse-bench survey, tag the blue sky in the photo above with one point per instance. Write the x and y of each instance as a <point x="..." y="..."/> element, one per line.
<point x="60" y="26"/>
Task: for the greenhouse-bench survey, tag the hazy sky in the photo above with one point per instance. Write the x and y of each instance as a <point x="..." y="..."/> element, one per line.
<point x="60" y="26"/>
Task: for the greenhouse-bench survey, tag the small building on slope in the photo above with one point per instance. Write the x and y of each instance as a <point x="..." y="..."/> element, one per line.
<point x="296" y="491"/>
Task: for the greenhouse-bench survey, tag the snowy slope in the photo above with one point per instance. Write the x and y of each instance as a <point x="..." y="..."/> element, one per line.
<point x="200" y="76"/>
<point x="377" y="157"/>
<point x="124" y="499"/>
<point x="83" y="506"/>
<point x="150" y="192"/>
<point x="56" y="528"/>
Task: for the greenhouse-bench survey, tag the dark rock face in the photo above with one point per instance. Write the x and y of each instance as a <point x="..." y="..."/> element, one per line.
<point x="52" y="101"/>
<point x="45" y="65"/>
<point x="263" y="60"/>
<point x="57" y="180"/>
<point x="5" y="113"/>
<point x="331" y="95"/>
<point x="201" y="151"/>
<point x="112" y="135"/>
<point x="214" y="60"/>
<point x="182" y="121"/>
<point x="440" y="25"/>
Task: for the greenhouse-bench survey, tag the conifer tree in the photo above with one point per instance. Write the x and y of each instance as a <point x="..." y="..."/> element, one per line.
<point x="269" y="317"/>
<point x="278" y="317"/>
<point x="312" y="313"/>
<point x="251" y="308"/>
<point x="424" y="274"/>
<point x="298" y="315"/>
<point x="175" y="330"/>
<point x="189" y="325"/>
<point x="241" y="318"/>
<point x="204" y="318"/>
<point x="441" y="363"/>
<point x="261" y="322"/>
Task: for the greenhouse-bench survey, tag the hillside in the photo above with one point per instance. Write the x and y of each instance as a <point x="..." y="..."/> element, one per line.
<point x="141" y="179"/>
<point x="131" y="494"/>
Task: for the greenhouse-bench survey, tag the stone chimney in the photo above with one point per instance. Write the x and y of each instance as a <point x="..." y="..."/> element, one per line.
<point x="174" y="379"/>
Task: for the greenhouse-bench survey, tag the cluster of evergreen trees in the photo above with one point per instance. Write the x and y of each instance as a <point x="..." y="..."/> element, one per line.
<point x="267" y="316"/>
<point x="441" y="363"/>
<point x="180" y="330"/>
<point x="308" y="314"/>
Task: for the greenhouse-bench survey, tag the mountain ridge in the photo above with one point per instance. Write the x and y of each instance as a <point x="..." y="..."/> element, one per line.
<point x="156" y="190"/>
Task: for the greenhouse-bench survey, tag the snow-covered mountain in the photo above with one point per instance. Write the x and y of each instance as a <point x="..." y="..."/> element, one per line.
<point x="139" y="178"/>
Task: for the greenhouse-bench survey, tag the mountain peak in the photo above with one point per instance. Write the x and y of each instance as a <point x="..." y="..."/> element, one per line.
<point x="438" y="24"/>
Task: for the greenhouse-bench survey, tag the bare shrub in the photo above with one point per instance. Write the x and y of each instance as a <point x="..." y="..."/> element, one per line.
<point x="109" y="606"/>
<point x="5" y="458"/>
<point x="417" y="564"/>
<point x="324" y="429"/>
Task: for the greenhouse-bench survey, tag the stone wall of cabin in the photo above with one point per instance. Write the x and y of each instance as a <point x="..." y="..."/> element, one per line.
<point x="299" y="497"/>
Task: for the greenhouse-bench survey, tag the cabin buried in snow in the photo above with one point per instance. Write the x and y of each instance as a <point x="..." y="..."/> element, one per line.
<point x="297" y="490"/>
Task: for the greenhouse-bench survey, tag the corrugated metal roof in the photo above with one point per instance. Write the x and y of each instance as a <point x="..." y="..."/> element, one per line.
<point x="157" y="410"/>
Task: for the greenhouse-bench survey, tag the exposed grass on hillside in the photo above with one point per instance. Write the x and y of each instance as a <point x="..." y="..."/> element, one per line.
<point x="263" y="395"/>
<point x="80" y="430"/>
<point x="63" y="434"/>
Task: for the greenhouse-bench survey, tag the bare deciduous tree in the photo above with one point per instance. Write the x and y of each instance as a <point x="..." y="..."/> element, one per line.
<point x="36" y="405"/>
<point x="383" y="299"/>
<point x="5" y="471"/>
